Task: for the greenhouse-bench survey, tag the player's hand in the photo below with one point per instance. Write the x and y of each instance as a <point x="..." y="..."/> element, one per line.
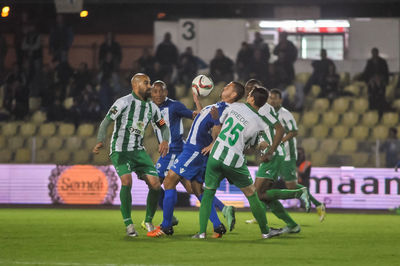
<point x="195" y="113"/>
<point x="163" y="148"/>
<point x="195" y="97"/>
<point x="97" y="148"/>
<point x="214" y="113"/>
<point x="206" y="150"/>
<point x="263" y="145"/>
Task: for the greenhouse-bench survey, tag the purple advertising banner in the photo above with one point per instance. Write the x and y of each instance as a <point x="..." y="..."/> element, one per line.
<point x="344" y="187"/>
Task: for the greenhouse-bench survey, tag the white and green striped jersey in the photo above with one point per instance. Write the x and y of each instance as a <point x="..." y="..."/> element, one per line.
<point x="241" y="125"/>
<point x="131" y="116"/>
<point x="289" y="124"/>
<point x="268" y="111"/>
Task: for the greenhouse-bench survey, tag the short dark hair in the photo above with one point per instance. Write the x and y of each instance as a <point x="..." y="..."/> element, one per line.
<point x="254" y="83"/>
<point x="277" y="92"/>
<point x="239" y="88"/>
<point x="160" y="83"/>
<point x="260" y="95"/>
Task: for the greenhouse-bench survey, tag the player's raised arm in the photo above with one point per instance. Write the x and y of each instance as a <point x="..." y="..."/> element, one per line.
<point x="102" y="133"/>
<point x="197" y="103"/>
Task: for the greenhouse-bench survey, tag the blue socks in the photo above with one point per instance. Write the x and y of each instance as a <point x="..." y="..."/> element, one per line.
<point x="213" y="216"/>
<point x="218" y="204"/>
<point x="170" y="199"/>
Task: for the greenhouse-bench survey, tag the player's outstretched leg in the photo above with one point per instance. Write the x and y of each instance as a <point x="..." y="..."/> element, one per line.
<point x="205" y="210"/>
<point x="275" y="194"/>
<point x="321" y="210"/>
<point x="279" y="211"/>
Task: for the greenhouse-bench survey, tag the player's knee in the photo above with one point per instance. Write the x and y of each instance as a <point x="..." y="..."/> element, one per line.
<point x="126" y="180"/>
<point x="291" y="185"/>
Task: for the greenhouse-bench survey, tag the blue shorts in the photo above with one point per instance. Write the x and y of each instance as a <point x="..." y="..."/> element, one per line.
<point x="164" y="163"/>
<point x="191" y="165"/>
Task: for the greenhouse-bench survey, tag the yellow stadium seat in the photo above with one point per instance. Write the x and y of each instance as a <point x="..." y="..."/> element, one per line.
<point x="309" y="144"/>
<point x="10" y="129"/>
<point x="360" y="132"/>
<point x="37" y="142"/>
<point x="396" y="105"/>
<point x="66" y="130"/>
<point x="390" y="119"/>
<point x="321" y="105"/>
<point x="310" y="119"/>
<point x="27" y="129"/>
<point x="80" y="157"/>
<point x="370" y="118"/>
<point x="349" y="119"/>
<point x="355" y="90"/>
<point x="315" y="90"/>
<point x="296" y="116"/>
<point x="360" y="105"/>
<point x="330" y="119"/>
<point x="348" y="146"/>
<point x="54" y="143"/>
<point x="328" y="146"/>
<point x="340" y="132"/>
<point x="47" y="130"/>
<point x="344" y="78"/>
<point x="23" y="156"/>
<point x="62" y="157"/>
<point x="101" y="159"/>
<point x="14" y="143"/>
<point x="39" y="117"/>
<point x="85" y="130"/>
<point x="90" y="143"/>
<point x="360" y="159"/>
<point x="320" y="131"/>
<point x="319" y="159"/>
<point x="340" y="105"/>
<point x="34" y="103"/>
<point x="5" y="156"/>
<point x="302" y="131"/>
<point x="303" y="77"/>
<point x="380" y="132"/>
<point x="73" y="143"/>
<point x="43" y="156"/>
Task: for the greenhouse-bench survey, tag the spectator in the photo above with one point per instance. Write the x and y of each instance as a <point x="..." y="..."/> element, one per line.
<point x="243" y="61"/>
<point x="287" y="55"/>
<point x="110" y="46"/>
<point x="32" y="48"/>
<point x="303" y="167"/>
<point x="187" y="67"/>
<point x="376" y="75"/>
<point x="56" y="112"/>
<point x="259" y="67"/>
<point x="221" y="68"/>
<point x="16" y="94"/>
<point x="280" y="76"/>
<point x="146" y="64"/>
<point x="80" y="79"/>
<point x="3" y="53"/>
<point x="260" y="45"/>
<point x="61" y="79"/>
<point x="166" y="56"/>
<point x="330" y="86"/>
<point x="20" y="30"/>
<point x="86" y="106"/>
<point x="60" y="39"/>
<point x="392" y="148"/>
<point x="320" y="71"/>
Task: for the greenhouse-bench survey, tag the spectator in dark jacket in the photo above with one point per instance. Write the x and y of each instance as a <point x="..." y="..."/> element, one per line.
<point x="110" y="46"/>
<point x="221" y="68"/>
<point x="60" y="39"/>
<point x="243" y="61"/>
<point x="287" y="55"/>
<point x="187" y="67"/>
<point x="166" y="56"/>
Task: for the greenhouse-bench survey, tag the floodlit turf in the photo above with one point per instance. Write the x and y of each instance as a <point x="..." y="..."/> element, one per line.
<point x="97" y="237"/>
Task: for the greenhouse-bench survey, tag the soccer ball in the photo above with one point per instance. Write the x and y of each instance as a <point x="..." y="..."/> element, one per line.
<point x="202" y="85"/>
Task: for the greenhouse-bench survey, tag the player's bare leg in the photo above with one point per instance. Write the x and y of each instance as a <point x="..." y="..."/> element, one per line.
<point x="126" y="204"/>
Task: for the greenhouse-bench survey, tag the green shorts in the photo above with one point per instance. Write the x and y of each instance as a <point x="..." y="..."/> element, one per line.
<point x="271" y="169"/>
<point x="137" y="161"/>
<point x="288" y="171"/>
<point x="217" y="170"/>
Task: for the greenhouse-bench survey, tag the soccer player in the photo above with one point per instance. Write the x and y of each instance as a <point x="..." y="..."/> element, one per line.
<point x="132" y="113"/>
<point x="268" y="172"/>
<point x="172" y="112"/>
<point x="288" y="169"/>
<point x="191" y="163"/>
<point x="241" y="126"/>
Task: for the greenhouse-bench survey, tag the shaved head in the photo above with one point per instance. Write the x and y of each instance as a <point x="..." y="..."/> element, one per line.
<point x="141" y="85"/>
<point x="138" y="77"/>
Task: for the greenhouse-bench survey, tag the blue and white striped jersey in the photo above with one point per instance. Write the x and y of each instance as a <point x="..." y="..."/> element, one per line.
<point x="200" y="132"/>
<point x="173" y="111"/>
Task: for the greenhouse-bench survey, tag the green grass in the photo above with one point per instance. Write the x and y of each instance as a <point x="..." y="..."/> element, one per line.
<point x="97" y="237"/>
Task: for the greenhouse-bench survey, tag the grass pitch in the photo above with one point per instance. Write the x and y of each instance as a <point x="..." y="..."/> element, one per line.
<point x="97" y="237"/>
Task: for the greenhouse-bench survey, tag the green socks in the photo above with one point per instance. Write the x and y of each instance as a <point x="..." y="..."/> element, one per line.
<point x="280" y="212"/>
<point x="151" y="204"/>
<point x="205" y="208"/>
<point x="258" y="211"/>
<point x="275" y="194"/>
<point x="312" y="199"/>
<point x="126" y="204"/>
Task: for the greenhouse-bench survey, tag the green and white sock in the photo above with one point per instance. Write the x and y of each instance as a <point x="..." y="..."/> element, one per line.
<point x="151" y="204"/>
